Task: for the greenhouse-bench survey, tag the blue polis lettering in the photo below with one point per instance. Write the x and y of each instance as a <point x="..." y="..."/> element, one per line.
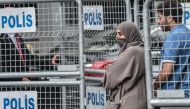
<point x="96" y="98"/>
<point x="186" y="16"/>
<point x="15" y="103"/>
<point x="14" y="21"/>
<point x="93" y="18"/>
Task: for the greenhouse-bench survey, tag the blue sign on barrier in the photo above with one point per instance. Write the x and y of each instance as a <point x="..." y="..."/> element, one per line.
<point x="96" y="97"/>
<point x="18" y="100"/>
<point x="186" y="14"/>
<point x="93" y="18"/>
<point x="14" y="20"/>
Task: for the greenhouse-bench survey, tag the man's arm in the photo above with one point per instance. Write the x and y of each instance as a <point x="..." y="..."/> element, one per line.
<point x="164" y="74"/>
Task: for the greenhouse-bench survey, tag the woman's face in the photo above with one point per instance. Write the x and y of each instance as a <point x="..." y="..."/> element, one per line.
<point x="120" y="35"/>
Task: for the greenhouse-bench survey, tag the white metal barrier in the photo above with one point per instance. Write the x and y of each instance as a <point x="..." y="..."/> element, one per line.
<point x="166" y="98"/>
<point x="58" y="32"/>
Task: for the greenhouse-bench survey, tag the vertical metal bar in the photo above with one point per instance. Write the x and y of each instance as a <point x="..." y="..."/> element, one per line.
<point x="81" y="63"/>
<point x="128" y="10"/>
<point x="148" y="63"/>
<point x="136" y="10"/>
<point x="61" y="26"/>
<point x="63" y="29"/>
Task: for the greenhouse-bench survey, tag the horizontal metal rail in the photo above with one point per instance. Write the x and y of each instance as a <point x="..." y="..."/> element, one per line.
<point x="39" y="83"/>
<point x="95" y="71"/>
<point x="38" y="74"/>
<point x="54" y="74"/>
<point x="99" y="79"/>
<point x="30" y="1"/>
<point x="58" y="74"/>
<point x="170" y="102"/>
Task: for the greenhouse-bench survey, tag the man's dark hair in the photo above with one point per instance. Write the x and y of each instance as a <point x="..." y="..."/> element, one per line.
<point x="172" y="8"/>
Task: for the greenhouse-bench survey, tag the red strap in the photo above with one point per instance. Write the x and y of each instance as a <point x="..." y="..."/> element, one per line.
<point x="20" y="49"/>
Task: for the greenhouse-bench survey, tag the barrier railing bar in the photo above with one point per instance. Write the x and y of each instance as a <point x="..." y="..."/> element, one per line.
<point x="128" y="10"/>
<point x="171" y="102"/>
<point x="136" y="10"/>
<point x="147" y="52"/>
<point x="30" y="1"/>
<point x="99" y="79"/>
<point x="39" y="83"/>
<point x="38" y="74"/>
<point x="95" y="71"/>
<point x="81" y="55"/>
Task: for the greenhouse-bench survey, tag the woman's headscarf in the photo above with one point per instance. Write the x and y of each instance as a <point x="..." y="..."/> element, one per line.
<point x="132" y="34"/>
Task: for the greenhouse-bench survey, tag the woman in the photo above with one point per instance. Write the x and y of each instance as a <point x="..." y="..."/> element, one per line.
<point x="125" y="78"/>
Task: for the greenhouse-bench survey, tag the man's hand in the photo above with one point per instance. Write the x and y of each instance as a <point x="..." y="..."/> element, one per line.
<point x="164" y="74"/>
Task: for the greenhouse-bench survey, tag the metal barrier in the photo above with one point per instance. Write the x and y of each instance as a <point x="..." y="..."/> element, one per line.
<point x="100" y="45"/>
<point x="156" y="35"/>
<point x="165" y="98"/>
<point x="137" y="6"/>
<point x="59" y="31"/>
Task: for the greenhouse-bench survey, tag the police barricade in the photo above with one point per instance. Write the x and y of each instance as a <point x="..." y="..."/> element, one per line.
<point x="138" y="15"/>
<point x="166" y="97"/>
<point x="100" y="22"/>
<point x="156" y="34"/>
<point x="41" y="50"/>
<point x="101" y="18"/>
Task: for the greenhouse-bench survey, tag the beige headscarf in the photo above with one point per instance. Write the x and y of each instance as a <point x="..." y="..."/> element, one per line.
<point x="133" y="36"/>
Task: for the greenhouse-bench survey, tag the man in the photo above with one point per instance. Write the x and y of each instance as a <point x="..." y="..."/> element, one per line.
<point x="175" y="52"/>
<point x="15" y="57"/>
